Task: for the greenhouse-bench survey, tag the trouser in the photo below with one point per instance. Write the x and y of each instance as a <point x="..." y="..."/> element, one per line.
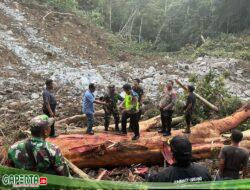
<point x="166" y="120"/>
<point x="107" y="117"/>
<point x="188" y="118"/>
<point x="139" y="118"/>
<point x="90" y="122"/>
<point x="52" y="128"/>
<point x="134" y="122"/>
<point x="139" y="114"/>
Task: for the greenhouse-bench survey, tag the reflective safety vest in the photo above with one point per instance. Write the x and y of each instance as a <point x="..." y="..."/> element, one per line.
<point x="129" y="104"/>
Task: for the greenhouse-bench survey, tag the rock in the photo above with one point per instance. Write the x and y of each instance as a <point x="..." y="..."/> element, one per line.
<point x="199" y="58"/>
<point x="3" y="27"/>
<point x="35" y="96"/>
<point x="15" y="5"/>
<point x="2" y="93"/>
<point x="11" y="111"/>
<point x="240" y="72"/>
<point x="186" y="67"/>
<point x="247" y="92"/>
<point x="9" y="32"/>
<point x="151" y="70"/>
<point x="14" y="105"/>
<point x="9" y="91"/>
<point x="3" y="110"/>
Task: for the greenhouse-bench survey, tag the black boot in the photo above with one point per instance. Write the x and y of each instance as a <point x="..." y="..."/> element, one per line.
<point x="117" y="129"/>
<point x="136" y="137"/>
<point x="52" y="131"/>
<point x="161" y="131"/>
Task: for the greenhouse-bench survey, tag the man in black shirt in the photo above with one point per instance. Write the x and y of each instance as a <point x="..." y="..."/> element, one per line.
<point x="189" y="108"/>
<point x="49" y="103"/>
<point x="233" y="158"/>
<point x="182" y="170"/>
<point x="139" y="90"/>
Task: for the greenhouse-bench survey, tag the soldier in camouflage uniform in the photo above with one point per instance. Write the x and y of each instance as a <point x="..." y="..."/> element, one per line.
<point x="35" y="153"/>
<point x="111" y="99"/>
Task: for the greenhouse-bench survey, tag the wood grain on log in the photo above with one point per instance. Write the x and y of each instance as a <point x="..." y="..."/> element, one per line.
<point x="93" y="151"/>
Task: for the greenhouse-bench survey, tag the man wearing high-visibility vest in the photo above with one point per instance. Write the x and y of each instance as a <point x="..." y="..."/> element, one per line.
<point x="130" y="109"/>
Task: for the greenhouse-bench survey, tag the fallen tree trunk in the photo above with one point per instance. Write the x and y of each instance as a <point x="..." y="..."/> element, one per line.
<point x="102" y="150"/>
<point x="210" y="105"/>
<point x="76" y="118"/>
<point x="144" y="125"/>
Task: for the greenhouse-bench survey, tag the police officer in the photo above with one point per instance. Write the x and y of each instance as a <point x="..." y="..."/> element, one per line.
<point x="111" y="99"/>
<point x="166" y="106"/>
<point x="35" y="153"/>
<point x="139" y="90"/>
<point x="130" y="109"/>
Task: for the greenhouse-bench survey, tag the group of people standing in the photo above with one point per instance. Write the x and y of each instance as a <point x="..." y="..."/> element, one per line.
<point x="167" y="105"/>
<point x="130" y="107"/>
<point x="113" y="103"/>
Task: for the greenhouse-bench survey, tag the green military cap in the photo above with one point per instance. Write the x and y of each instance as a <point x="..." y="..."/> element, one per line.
<point x="41" y="121"/>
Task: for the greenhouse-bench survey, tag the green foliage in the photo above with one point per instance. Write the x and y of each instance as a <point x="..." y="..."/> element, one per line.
<point x="97" y="18"/>
<point x="171" y="24"/>
<point x="225" y="45"/>
<point x="245" y="55"/>
<point x="117" y="45"/>
<point x="64" y="5"/>
<point x="245" y="126"/>
<point x="212" y="88"/>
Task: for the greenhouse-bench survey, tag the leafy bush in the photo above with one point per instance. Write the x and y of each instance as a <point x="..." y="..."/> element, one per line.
<point x="117" y="45"/>
<point x="97" y="18"/>
<point x="228" y="46"/>
<point x="245" y="126"/>
<point x="64" y="5"/>
<point x="245" y="55"/>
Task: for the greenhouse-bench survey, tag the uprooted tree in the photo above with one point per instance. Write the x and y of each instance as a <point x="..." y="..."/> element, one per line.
<point x="109" y="149"/>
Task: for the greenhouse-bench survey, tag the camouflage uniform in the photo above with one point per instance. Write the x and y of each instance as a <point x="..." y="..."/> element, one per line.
<point x="111" y="109"/>
<point x="46" y="157"/>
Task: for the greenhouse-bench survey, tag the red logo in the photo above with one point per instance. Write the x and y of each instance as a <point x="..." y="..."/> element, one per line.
<point x="43" y="180"/>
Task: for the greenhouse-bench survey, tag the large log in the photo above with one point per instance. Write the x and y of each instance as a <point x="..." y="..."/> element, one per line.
<point x="76" y="118"/>
<point x="103" y="150"/>
<point x="144" y="125"/>
<point x="210" y="105"/>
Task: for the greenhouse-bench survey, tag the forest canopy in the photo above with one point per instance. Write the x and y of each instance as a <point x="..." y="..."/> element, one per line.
<point x="169" y="24"/>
